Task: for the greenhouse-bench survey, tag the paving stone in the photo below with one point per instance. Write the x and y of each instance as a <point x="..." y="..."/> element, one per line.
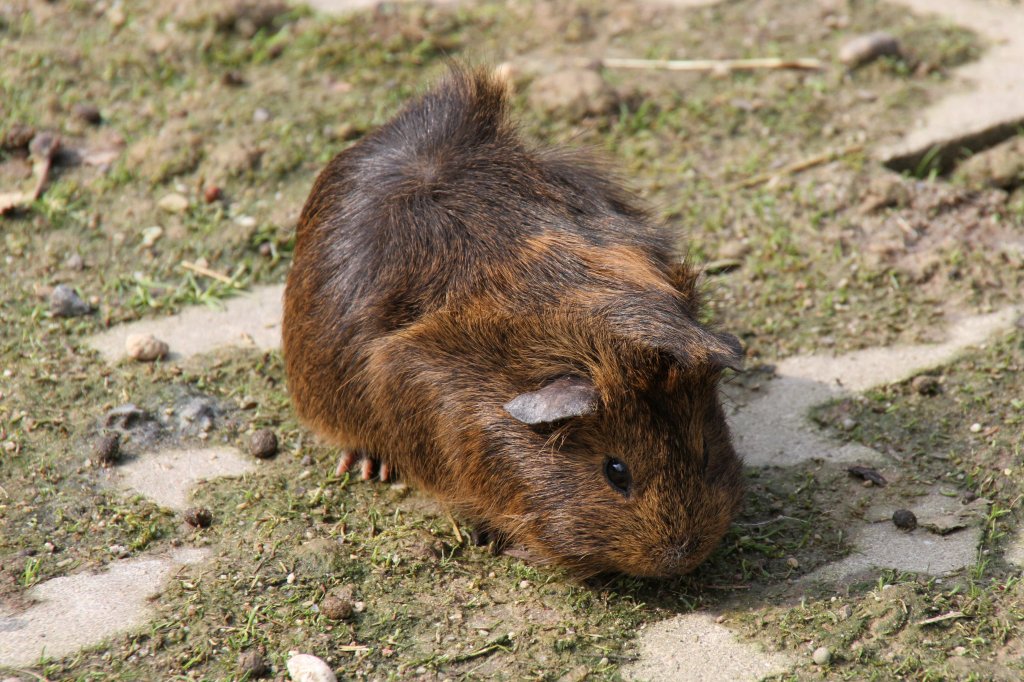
<point x="1015" y="552"/>
<point x="872" y="367"/>
<point x="77" y="611"/>
<point x="957" y="121"/>
<point x="772" y="428"/>
<point x="695" y="648"/>
<point x="880" y="544"/>
<point x="167" y="477"/>
<point x="251" y="319"/>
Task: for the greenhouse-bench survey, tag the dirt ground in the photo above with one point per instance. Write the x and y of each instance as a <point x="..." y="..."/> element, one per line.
<point x="187" y="137"/>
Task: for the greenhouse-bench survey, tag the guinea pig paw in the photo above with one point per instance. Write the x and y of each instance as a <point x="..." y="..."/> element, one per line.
<point x="367" y="464"/>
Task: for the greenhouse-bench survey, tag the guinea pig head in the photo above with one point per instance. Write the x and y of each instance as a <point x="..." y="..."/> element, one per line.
<point x="636" y="472"/>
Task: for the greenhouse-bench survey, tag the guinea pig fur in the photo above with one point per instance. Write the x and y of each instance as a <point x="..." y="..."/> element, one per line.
<point x="512" y="332"/>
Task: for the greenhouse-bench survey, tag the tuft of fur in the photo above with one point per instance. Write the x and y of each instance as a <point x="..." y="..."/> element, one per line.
<point x="442" y="268"/>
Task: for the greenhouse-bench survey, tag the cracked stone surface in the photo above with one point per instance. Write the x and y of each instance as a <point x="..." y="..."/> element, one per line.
<point x="695" y="648"/>
<point x="82" y="610"/>
<point x="167" y="477"/>
<point x="772" y="428"/>
<point x="252" y="319"/>
<point x="880" y="544"/>
<point x="996" y="79"/>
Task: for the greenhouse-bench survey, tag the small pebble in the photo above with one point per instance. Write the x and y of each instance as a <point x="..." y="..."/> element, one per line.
<point x="145" y="347"/>
<point x="75" y="262"/>
<point x="975" y="427"/>
<point x="307" y="668"/>
<point x="849" y="424"/>
<point x="198" y="517"/>
<point x="793" y="562"/>
<point x="253" y="664"/>
<point x="822" y="655"/>
<point x="173" y="203"/>
<point x="867" y="48"/>
<point x="247" y="402"/>
<point x="151" y="235"/>
<point x="904" y="519"/>
<point x="89" y="113"/>
<point x="336" y="608"/>
<point x="233" y="78"/>
<point x="64" y="302"/>
<point x="212" y="193"/>
<point x="261" y="115"/>
<point x="266" y="249"/>
<point x="107" y="449"/>
<point x="263" y="444"/>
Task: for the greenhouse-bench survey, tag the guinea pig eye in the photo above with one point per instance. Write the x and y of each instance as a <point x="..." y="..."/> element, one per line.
<point x="617" y="473"/>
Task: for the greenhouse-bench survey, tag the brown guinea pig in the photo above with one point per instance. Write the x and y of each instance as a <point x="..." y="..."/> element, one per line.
<point x="506" y="327"/>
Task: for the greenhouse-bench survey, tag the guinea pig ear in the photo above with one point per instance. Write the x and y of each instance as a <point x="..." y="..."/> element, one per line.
<point x="560" y="399"/>
<point x="726" y="351"/>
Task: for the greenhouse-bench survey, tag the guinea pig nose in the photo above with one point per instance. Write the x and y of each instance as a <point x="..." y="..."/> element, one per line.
<point x="677" y="554"/>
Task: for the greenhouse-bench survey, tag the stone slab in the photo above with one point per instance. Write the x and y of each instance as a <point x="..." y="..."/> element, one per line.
<point x="251" y="319"/>
<point x="167" y="477"/>
<point x="771" y="428"/>
<point x="694" y="647"/>
<point x="881" y="544"/>
<point x="990" y="106"/>
<point x="83" y="610"/>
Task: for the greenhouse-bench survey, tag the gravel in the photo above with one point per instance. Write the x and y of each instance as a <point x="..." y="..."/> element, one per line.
<point x="64" y="302"/>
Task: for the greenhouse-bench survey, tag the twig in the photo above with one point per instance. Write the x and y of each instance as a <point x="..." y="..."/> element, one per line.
<point x="199" y="269"/>
<point x="455" y="527"/>
<point x="952" y="615"/>
<point x="42" y="152"/>
<point x="798" y="166"/>
<point x="726" y="65"/>
<point x="499" y="643"/>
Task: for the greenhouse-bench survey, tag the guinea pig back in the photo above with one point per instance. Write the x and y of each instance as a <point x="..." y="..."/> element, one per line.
<point x="511" y="331"/>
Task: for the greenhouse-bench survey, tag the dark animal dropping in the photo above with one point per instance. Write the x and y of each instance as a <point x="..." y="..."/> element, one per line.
<point x="263" y="444"/>
<point x="507" y="327"/>
<point x="904" y="519"/>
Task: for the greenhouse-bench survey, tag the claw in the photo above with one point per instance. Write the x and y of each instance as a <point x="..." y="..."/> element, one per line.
<point x="345" y="462"/>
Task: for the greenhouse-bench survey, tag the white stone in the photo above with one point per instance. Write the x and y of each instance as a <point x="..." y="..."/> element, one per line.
<point x="145" y="347"/>
<point x="307" y="668"/>
<point x="173" y="203"/>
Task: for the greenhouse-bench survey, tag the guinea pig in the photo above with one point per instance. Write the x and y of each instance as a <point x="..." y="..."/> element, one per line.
<point x="510" y="330"/>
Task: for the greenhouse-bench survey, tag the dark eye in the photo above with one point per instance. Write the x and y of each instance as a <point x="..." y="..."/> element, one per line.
<point x="617" y="473"/>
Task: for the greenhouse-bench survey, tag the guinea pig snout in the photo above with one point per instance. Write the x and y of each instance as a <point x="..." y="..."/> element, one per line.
<point x="677" y="555"/>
